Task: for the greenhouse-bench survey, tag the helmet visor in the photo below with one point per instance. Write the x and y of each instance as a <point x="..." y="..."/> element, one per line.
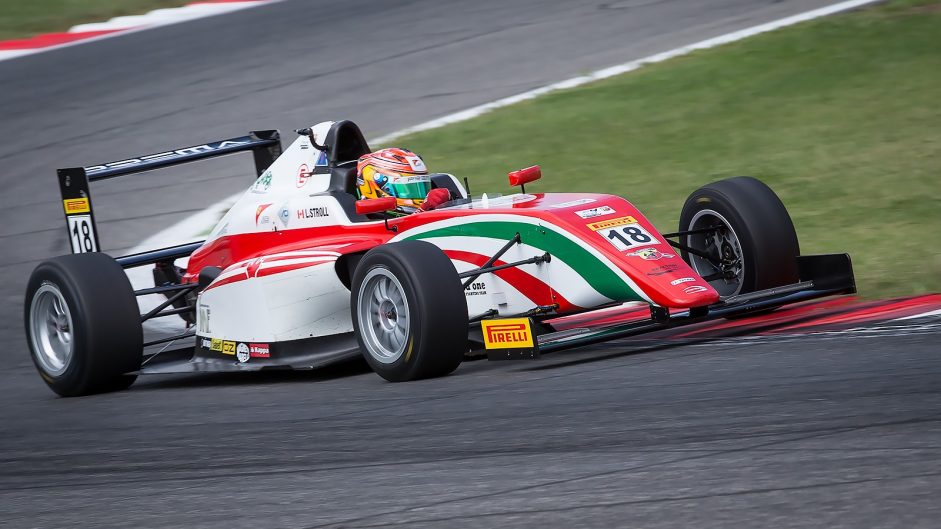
<point x="411" y="187"/>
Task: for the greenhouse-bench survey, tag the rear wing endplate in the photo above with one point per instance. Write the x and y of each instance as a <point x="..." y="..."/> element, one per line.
<point x="76" y="195"/>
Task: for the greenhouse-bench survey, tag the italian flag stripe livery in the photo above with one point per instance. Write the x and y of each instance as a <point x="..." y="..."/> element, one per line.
<point x="589" y="265"/>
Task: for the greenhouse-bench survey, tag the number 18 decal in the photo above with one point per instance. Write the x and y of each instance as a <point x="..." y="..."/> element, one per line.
<point x="81" y="234"/>
<point x="628" y="236"/>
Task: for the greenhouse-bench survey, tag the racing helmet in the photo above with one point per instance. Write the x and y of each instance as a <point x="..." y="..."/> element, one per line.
<point x="393" y="172"/>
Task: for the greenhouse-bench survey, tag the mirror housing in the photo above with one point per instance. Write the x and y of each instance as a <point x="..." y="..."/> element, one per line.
<point x="375" y="205"/>
<point x="524" y="176"/>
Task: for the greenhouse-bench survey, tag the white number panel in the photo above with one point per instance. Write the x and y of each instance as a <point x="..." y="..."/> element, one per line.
<point x="628" y="236"/>
<point x="81" y="234"/>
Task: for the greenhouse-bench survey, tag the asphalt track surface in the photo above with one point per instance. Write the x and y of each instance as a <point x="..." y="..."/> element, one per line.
<point x="828" y="430"/>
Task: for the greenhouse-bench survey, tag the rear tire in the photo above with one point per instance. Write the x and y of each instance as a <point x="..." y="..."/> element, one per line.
<point x="409" y="312"/>
<point x="755" y="246"/>
<point x="83" y="325"/>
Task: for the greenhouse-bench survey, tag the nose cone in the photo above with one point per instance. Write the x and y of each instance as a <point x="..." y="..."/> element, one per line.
<point x="695" y="293"/>
<point x="667" y="279"/>
<point x="614" y="227"/>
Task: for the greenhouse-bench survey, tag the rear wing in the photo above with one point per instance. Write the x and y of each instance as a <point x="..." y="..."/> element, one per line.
<point x="265" y="146"/>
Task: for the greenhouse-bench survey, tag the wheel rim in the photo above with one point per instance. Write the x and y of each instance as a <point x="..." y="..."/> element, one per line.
<point x="51" y="331"/>
<point x="726" y="261"/>
<point x="383" y="315"/>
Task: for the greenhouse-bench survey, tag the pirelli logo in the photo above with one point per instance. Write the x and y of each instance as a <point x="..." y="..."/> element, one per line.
<point x="507" y="334"/>
<point x="76" y="205"/>
<point x="611" y="223"/>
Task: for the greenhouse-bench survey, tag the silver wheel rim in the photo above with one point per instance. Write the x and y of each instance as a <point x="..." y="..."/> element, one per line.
<point x="723" y="245"/>
<point x="51" y="329"/>
<point x="383" y="316"/>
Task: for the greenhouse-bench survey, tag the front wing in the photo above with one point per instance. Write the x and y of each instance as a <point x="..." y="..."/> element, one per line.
<point x="820" y="276"/>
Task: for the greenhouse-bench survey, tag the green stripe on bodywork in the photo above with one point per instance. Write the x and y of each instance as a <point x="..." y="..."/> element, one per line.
<point x="589" y="267"/>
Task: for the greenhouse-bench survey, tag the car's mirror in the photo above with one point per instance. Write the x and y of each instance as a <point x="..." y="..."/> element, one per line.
<point x="524" y="176"/>
<point x="375" y="205"/>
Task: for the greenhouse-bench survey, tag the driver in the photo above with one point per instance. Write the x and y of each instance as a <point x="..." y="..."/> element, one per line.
<point x="399" y="173"/>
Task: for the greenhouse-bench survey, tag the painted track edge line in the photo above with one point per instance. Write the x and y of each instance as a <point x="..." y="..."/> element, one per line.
<point x="928" y="314"/>
<point x="14" y="53"/>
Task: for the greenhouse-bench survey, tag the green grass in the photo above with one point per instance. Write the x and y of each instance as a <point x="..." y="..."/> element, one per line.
<point x="23" y="18"/>
<point x="841" y="116"/>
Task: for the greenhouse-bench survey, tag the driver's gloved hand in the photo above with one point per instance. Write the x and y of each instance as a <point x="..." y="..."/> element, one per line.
<point x="435" y="198"/>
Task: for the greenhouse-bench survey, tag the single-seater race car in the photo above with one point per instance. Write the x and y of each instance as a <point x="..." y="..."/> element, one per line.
<point x="301" y="273"/>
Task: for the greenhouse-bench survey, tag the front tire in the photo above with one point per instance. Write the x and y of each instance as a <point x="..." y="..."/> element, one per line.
<point x="409" y="312"/>
<point x="83" y="325"/>
<point x="754" y="245"/>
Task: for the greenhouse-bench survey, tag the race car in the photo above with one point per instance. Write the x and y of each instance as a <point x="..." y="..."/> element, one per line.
<point x="301" y="272"/>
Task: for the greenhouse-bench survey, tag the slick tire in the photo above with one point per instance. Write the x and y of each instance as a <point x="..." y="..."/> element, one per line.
<point x="409" y="312"/>
<point x="756" y="244"/>
<point x="83" y="325"/>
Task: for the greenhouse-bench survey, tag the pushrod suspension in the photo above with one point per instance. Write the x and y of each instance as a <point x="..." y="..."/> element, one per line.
<point x="694" y="251"/>
<point x="168" y="302"/>
<point x="171" y="312"/>
<point x="474" y="274"/>
<point x="544" y="258"/>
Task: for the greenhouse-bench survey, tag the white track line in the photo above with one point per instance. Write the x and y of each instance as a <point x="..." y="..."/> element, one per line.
<point x="189" y="229"/>
<point x="132" y="24"/>
<point x="922" y="315"/>
<point x="166" y="16"/>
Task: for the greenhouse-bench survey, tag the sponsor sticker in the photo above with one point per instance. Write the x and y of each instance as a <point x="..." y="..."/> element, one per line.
<point x="611" y="223"/>
<point x="518" y="198"/>
<point x="284" y="215"/>
<point x="477" y="288"/>
<point x="202" y="319"/>
<point x="571" y="203"/>
<point x="664" y="269"/>
<point x="303" y="175"/>
<point x="241" y="353"/>
<point x="595" y="212"/>
<point x="651" y="254"/>
<point x="416" y="163"/>
<point x="507" y="333"/>
<point x="206" y="343"/>
<point x="321" y="159"/>
<point x="313" y="213"/>
<point x="263" y="184"/>
<point x="682" y="280"/>
<point x="692" y="289"/>
<point x="228" y="347"/>
<point x="216" y="344"/>
<point x="259" y="350"/>
<point x="258" y="211"/>
<point x="624" y="233"/>
<point x="184" y="152"/>
<point x="76" y="205"/>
